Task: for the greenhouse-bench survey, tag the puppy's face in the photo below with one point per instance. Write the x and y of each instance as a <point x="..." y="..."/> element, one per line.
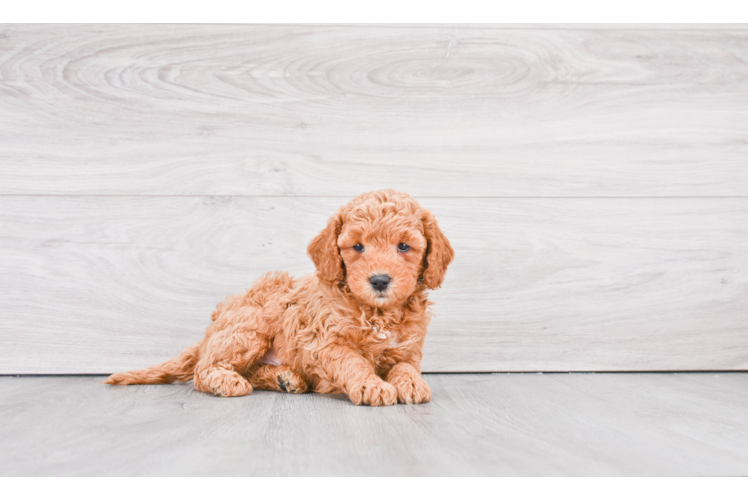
<point x="381" y="245"/>
<point x="383" y="257"/>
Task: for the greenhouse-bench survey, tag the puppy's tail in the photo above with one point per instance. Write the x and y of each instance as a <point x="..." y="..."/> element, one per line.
<point x="179" y="369"/>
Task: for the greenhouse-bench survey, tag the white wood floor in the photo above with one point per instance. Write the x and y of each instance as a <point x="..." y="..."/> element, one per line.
<point x="477" y="424"/>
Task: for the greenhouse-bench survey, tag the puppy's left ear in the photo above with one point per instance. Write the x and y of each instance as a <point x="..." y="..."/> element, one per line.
<point x="439" y="252"/>
<point x="325" y="252"/>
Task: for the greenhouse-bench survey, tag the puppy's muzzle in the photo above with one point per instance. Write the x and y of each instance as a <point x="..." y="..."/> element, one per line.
<point x="380" y="282"/>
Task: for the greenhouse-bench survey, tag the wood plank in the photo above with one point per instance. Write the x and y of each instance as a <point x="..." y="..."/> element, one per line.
<point x="326" y="110"/>
<point x="494" y="425"/>
<point x="556" y="26"/>
<point x="101" y="284"/>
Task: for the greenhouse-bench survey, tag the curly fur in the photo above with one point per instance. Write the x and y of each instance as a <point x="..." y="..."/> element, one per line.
<point x="328" y="332"/>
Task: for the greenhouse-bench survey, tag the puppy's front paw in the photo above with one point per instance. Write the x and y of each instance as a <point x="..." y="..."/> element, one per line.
<point x="411" y="390"/>
<point x="374" y="392"/>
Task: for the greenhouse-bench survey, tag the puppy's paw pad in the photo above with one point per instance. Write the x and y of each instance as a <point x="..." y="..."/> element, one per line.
<point x="291" y="382"/>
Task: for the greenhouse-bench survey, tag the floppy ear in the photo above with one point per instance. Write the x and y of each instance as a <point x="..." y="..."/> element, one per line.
<point x="325" y="252"/>
<point x="439" y="252"/>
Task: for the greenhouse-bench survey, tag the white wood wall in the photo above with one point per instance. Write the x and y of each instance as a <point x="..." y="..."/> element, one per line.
<point x="594" y="184"/>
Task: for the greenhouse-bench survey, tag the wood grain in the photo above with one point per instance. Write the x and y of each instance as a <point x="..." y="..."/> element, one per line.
<point x="101" y="284"/>
<point x="548" y="26"/>
<point x="492" y="425"/>
<point x="591" y="178"/>
<point x="329" y="110"/>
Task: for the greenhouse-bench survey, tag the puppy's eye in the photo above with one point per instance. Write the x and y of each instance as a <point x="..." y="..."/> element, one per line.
<point x="358" y="247"/>
<point x="402" y="247"/>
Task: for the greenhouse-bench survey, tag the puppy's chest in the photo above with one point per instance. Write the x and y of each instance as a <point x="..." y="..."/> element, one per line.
<point x="383" y="343"/>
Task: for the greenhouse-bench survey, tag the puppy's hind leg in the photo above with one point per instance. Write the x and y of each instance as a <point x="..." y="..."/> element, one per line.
<point x="278" y="378"/>
<point x="227" y="357"/>
<point x="221" y="380"/>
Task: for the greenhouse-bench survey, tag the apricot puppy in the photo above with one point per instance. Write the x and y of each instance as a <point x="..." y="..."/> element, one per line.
<point x="355" y="326"/>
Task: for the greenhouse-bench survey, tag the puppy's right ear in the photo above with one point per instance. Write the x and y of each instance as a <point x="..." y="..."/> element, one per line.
<point x="325" y="252"/>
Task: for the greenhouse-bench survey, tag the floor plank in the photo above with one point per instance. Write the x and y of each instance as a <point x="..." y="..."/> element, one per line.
<point x="101" y="284"/>
<point x="581" y="26"/>
<point x="334" y="110"/>
<point x="489" y="424"/>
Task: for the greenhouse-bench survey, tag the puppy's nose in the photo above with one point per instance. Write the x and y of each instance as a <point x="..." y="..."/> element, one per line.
<point x="380" y="282"/>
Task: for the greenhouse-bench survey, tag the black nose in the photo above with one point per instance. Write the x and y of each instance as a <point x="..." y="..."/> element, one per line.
<point x="380" y="282"/>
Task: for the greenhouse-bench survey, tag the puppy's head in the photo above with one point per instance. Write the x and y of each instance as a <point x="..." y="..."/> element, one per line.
<point x="384" y="245"/>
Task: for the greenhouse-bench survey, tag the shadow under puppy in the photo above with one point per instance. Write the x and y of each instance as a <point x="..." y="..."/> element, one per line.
<point x="356" y="326"/>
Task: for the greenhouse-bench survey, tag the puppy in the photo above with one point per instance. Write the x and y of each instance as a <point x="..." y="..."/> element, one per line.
<point x="356" y="326"/>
